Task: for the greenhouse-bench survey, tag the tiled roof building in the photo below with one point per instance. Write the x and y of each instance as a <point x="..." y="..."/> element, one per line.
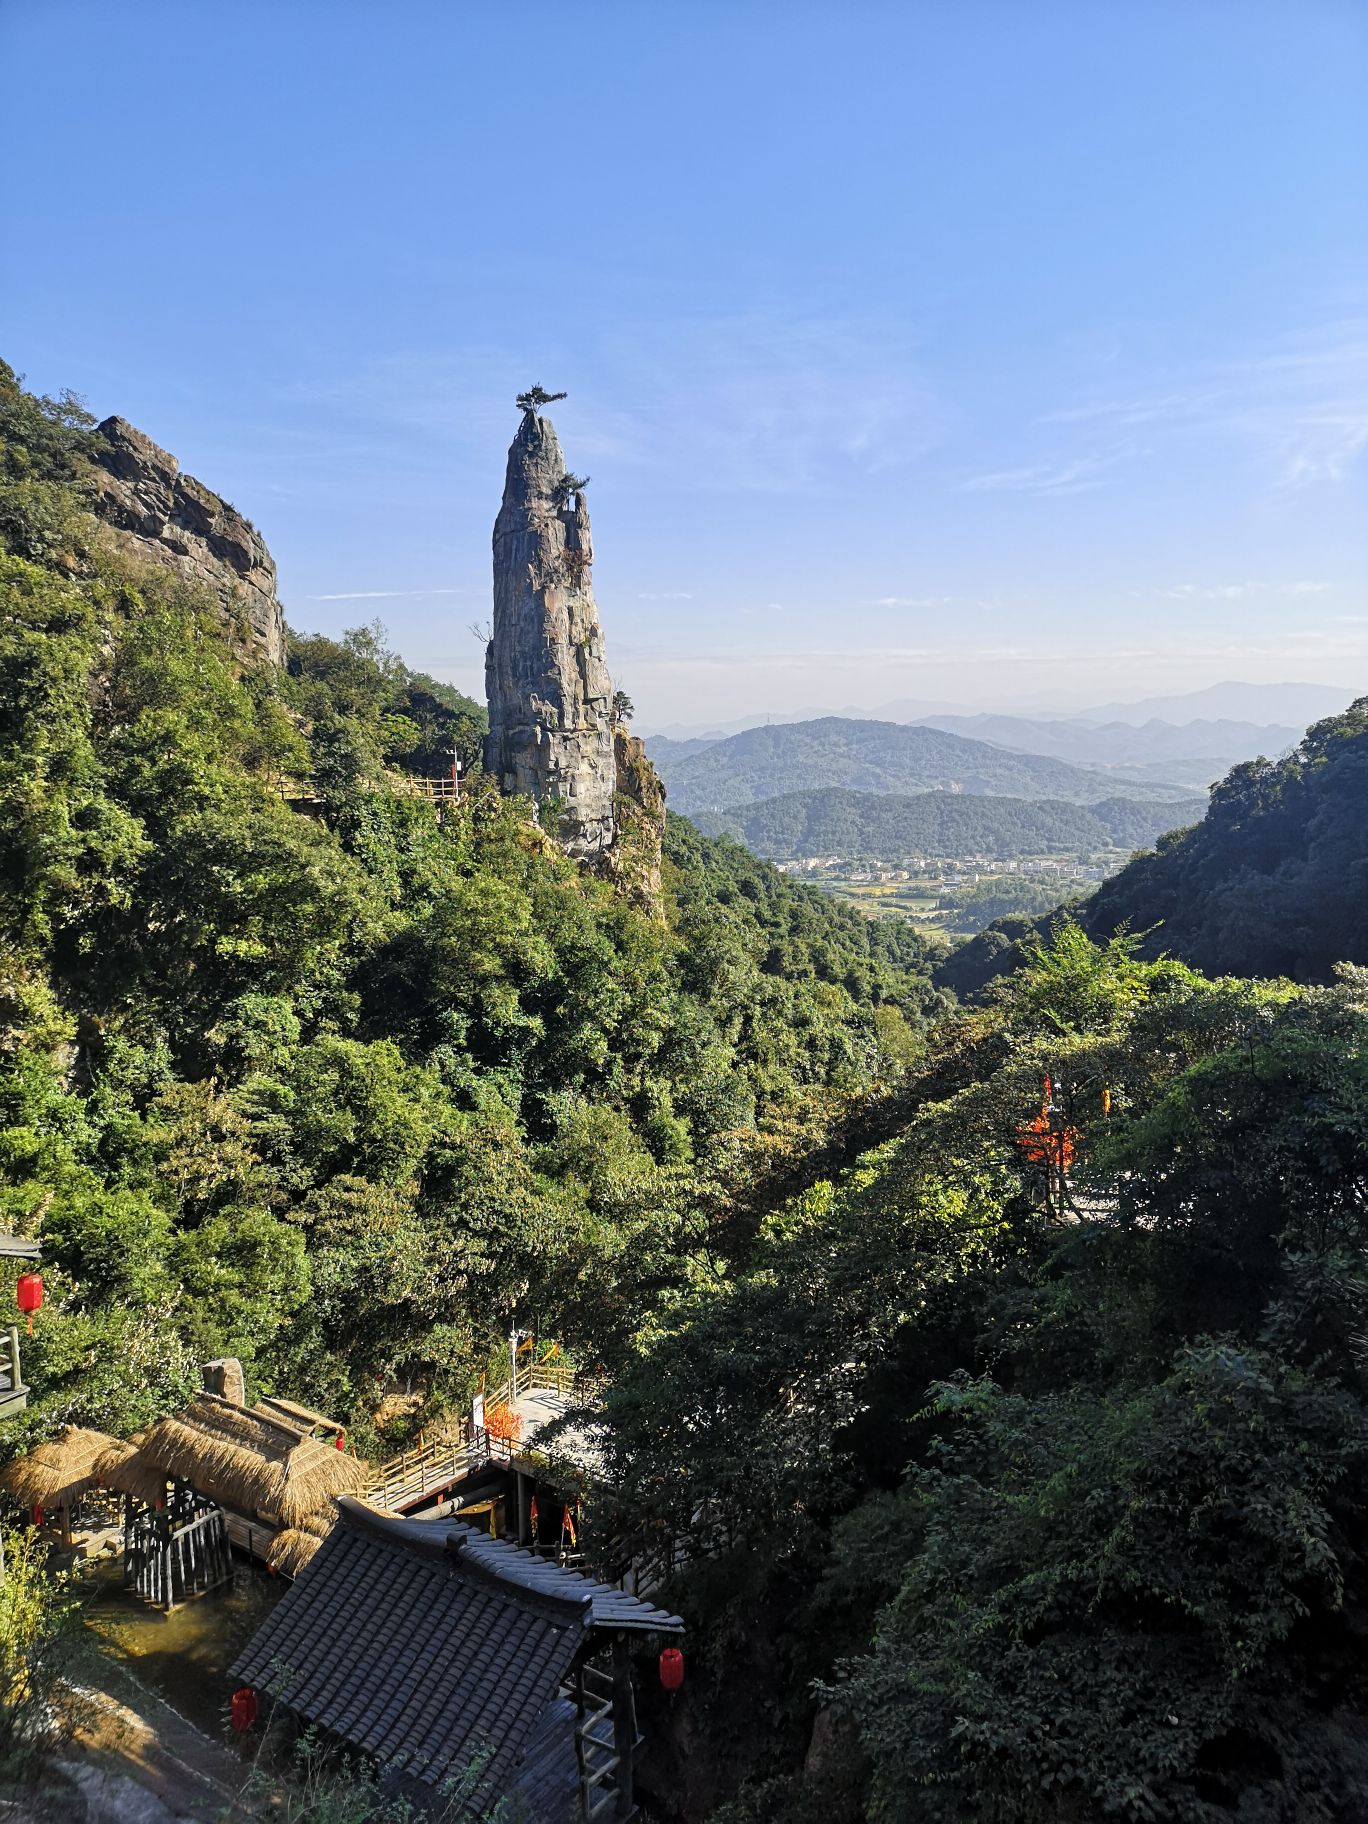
<point x="462" y="1665"/>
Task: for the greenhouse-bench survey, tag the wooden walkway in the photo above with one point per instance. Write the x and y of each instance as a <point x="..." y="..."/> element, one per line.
<point x="416" y="1478"/>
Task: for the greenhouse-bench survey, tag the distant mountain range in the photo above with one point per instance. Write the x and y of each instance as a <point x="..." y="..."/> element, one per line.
<point x="1263" y="705"/>
<point x="1190" y="754"/>
<point x="875" y="757"/>
<point x="1295" y="704"/>
<point x="885" y="827"/>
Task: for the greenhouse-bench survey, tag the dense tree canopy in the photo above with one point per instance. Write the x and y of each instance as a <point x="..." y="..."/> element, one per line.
<point x="993" y="1380"/>
<point x="299" y="1070"/>
<point x="1052" y="1510"/>
<point x="887" y="826"/>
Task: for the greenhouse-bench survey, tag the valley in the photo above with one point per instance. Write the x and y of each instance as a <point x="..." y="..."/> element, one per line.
<point x="956" y="895"/>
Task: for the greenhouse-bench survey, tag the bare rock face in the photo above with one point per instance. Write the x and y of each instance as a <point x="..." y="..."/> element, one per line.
<point x="546" y="676"/>
<point x="171" y="519"/>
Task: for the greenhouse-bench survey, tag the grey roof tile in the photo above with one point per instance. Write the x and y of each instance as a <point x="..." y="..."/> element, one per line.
<point x="420" y="1640"/>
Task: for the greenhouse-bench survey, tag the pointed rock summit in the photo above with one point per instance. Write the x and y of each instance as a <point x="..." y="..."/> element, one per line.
<point x="546" y="676"/>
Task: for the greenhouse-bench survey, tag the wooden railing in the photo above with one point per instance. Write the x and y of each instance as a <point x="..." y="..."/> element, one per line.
<point x="415" y="1475"/>
<point x="443" y="790"/>
<point x="548" y="1377"/>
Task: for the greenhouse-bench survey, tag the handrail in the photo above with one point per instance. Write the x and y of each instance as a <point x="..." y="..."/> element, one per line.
<point x="415" y="1473"/>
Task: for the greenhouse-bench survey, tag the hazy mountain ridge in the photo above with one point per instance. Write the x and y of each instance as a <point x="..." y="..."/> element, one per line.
<point x="1293" y="706"/>
<point x="1192" y="755"/>
<point x="887" y="826"/>
<point x="1300" y="704"/>
<point x="874" y="757"/>
<point x="1124" y="743"/>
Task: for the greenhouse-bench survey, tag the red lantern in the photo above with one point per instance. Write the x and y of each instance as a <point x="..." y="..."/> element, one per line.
<point x="29" y="1292"/>
<point x="243" y="1709"/>
<point x="672" y="1668"/>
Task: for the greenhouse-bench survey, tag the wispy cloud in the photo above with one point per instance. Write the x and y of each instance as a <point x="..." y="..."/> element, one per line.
<point x="1235" y="592"/>
<point x="379" y="595"/>
<point x="912" y="601"/>
<point x="1300" y="403"/>
<point x="765" y="401"/>
<point x="665" y="595"/>
<point x="1324" y="447"/>
<point x="1071" y="475"/>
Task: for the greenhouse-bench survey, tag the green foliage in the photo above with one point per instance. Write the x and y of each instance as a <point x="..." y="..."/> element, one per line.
<point x="1272" y="881"/>
<point x="292" y="1067"/>
<point x="322" y="1785"/>
<point x="1122" y="1606"/>
<point x="38" y="1623"/>
<point x="1051" y="1499"/>
<point x="1063" y="1518"/>
<point x="886" y="826"/>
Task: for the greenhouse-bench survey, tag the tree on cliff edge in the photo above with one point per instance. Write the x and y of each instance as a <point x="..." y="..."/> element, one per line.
<point x="535" y="398"/>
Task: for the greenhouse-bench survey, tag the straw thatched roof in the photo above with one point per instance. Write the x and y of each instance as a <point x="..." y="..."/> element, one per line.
<point x="57" y="1472"/>
<point x="253" y="1460"/>
<point x="292" y="1549"/>
<point x="125" y="1468"/>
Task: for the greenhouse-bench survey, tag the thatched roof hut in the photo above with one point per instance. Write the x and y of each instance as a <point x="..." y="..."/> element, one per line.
<point x="124" y="1468"/>
<point x="55" y="1474"/>
<point x="262" y="1460"/>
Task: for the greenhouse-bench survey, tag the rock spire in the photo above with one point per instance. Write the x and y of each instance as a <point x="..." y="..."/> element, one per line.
<point x="546" y="676"/>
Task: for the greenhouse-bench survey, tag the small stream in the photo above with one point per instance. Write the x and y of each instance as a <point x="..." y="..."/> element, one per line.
<point x="183" y="1656"/>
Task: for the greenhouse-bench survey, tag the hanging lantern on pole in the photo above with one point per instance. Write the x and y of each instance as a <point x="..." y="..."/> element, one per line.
<point x="29" y="1293"/>
<point x="243" y="1709"/>
<point x="671" y="1669"/>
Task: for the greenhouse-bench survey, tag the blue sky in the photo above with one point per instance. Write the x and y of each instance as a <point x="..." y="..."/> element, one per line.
<point x="988" y="354"/>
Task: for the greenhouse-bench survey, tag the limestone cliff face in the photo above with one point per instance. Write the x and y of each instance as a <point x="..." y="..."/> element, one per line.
<point x="171" y="519"/>
<point x="546" y="676"/>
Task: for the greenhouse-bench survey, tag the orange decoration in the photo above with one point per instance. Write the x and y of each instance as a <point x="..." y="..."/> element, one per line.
<point x="503" y="1423"/>
<point x="1045" y="1145"/>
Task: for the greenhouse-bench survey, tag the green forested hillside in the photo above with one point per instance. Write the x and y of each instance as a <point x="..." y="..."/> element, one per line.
<point x="1020" y="1501"/>
<point x="769" y="762"/>
<point x="885" y="827"/>
<point x="317" y="1079"/>
<point x="992" y="1380"/>
<point x="1272" y="881"/>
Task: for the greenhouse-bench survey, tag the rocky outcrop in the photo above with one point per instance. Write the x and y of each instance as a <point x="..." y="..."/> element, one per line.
<point x="634" y="859"/>
<point x="168" y="518"/>
<point x="546" y="676"/>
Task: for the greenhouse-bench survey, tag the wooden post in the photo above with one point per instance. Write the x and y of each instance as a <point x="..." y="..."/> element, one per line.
<point x="524" y="1517"/>
<point x="580" y="1765"/>
<point x="624" y="1725"/>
